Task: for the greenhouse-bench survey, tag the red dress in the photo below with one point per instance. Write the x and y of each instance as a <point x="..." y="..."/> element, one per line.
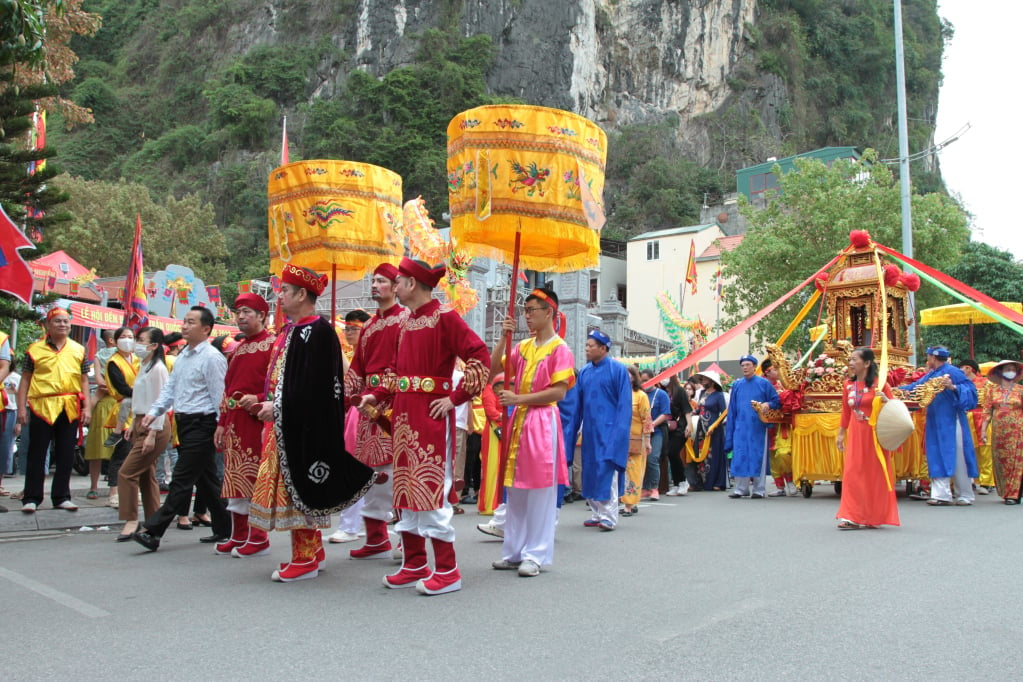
<point x="428" y="343"/>
<point x="243" y="432"/>
<point x="373" y="356"/>
<point x="867" y="497"/>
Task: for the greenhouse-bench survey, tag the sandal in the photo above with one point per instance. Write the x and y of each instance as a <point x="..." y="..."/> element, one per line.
<point x="626" y="513"/>
<point x="4" y="492"/>
<point x="934" y="502"/>
<point x="200" y="521"/>
<point x="92" y="495"/>
<point x="849" y="525"/>
<point x="18" y="496"/>
<point x="1011" y="501"/>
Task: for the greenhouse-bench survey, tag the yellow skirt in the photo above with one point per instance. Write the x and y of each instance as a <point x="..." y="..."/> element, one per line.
<point x="98" y="433"/>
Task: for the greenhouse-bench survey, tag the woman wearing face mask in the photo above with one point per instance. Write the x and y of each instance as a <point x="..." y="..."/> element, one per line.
<point x="1003" y="399"/>
<point x="120" y="377"/>
<point x="139" y="469"/>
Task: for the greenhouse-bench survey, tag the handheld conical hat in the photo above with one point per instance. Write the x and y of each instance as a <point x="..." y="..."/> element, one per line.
<point x="894" y="424"/>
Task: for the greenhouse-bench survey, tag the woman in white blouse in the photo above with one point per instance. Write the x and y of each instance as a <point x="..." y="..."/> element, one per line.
<point x="138" y="473"/>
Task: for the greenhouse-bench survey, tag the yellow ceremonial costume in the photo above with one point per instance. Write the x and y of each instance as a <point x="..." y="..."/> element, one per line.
<point x="56" y="380"/>
<point x="129" y="370"/>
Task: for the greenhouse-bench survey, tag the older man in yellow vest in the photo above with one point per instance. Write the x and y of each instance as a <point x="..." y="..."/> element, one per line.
<point x="54" y="383"/>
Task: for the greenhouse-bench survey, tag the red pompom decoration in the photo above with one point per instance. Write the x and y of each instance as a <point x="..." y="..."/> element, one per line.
<point x="911" y="280"/>
<point x="897" y="376"/>
<point x="891" y="275"/>
<point x="791" y="401"/>
<point x="859" y="238"/>
<point x="821" y="281"/>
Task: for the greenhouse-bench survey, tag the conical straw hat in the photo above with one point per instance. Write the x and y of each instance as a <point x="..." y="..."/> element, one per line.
<point x="894" y="424"/>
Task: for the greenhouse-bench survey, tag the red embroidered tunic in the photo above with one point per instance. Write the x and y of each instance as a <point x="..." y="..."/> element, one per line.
<point x="373" y="356"/>
<point x="243" y="432"/>
<point x="428" y="343"/>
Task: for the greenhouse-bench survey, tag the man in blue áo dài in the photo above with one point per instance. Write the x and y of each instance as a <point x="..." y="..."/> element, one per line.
<point x="603" y="406"/>
<point x="745" y="434"/>
<point x="949" y="444"/>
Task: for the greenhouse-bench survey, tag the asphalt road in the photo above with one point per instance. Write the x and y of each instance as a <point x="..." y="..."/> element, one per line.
<point x="701" y="587"/>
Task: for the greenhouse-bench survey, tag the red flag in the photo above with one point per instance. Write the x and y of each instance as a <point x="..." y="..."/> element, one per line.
<point x="136" y="304"/>
<point x="214" y="294"/>
<point x="245" y="287"/>
<point x="73" y="288"/>
<point x="183" y="296"/>
<point x="15" y="277"/>
<point x="284" y="143"/>
<point x="691" y="268"/>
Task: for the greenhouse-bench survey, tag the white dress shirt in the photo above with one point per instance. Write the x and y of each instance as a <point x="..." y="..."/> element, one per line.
<point x="197" y="383"/>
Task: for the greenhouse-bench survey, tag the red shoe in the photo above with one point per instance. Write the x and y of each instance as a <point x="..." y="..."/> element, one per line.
<point x="225" y="548"/>
<point x="296" y="571"/>
<point x="407" y="577"/>
<point x="251" y="549"/>
<point x="321" y="560"/>
<point x="441" y="583"/>
<point x="380" y="550"/>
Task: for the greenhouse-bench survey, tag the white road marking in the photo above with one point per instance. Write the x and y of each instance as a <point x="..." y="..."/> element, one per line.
<point x="84" y="608"/>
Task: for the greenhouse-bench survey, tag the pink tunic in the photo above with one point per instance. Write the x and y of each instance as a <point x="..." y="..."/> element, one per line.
<point x="536" y="457"/>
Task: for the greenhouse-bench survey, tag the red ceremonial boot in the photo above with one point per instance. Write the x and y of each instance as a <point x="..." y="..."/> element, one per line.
<point x="239" y="534"/>
<point x="303" y="564"/>
<point x="258" y="544"/>
<point x="413" y="567"/>
<point x="446" y="577"/>
<point x="378" y="542"/>
<point x="321" y="560"/>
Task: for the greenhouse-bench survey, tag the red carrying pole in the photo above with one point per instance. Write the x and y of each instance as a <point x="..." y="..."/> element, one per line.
<point x="333" y="293"/>
<point x="509" y="370"/>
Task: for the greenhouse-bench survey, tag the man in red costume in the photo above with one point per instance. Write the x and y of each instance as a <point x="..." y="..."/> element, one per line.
<point x="239" y="433"/>
<point x="374" y="352"/>
<point x="423" y="425"/>
<point x="305" y="474"/>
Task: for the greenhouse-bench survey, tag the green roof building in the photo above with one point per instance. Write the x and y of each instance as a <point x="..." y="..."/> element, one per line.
<point x="759" y="182"/>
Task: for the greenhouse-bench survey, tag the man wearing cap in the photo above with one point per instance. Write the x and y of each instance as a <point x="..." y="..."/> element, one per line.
<point x="423" y="425"/>
<point x="745" y="434"/>
<point x="51" y="398"/>
<point x="239" y="433"/>
<point x="603" y="408"/>
<point x="949" y="444"/>
<point x="374" y="353"/>
<point x="544" y="369"/>
<point x="305" y="474"/>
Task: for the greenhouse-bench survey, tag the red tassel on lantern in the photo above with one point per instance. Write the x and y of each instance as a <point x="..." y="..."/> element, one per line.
<point x="821" y="281"/>
<point x="911" y="280"/>
<point x="859" y="238"/>
<point x="891" y="275"/>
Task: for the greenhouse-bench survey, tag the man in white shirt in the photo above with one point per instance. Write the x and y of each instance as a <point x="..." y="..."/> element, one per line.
<point x="193" y="391"/>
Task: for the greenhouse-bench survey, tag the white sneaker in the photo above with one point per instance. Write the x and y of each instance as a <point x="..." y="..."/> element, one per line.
<point x="672" y="491"/>
<point x="529" y="569"/>
<point x="29" y="507"/>
<point x="683" y="488"/>
<point x="490" y="529"/>
<point x="114" y="501"/>
<point x="983" y="490"/>
<point x="343" y="536"/>
<point x="790" y="489"/>
<point x="68" y="505"/>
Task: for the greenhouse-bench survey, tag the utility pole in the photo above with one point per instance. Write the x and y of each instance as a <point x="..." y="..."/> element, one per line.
<point x="904" y="185"/>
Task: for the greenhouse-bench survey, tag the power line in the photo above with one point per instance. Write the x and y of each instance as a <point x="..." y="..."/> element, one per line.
<point x="932" y="149"/>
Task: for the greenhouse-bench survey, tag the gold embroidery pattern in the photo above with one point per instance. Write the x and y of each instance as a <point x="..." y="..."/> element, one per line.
<point x="241" y="466"/>
<point x="353" y="383"/>
<point x="373" y="446"/>
<point x="254" y="346"/>
<point x="380" y="324"/>
<point x="418" y="471"/>
<point x="475" y="379"/>
<point x="417" y="323"/>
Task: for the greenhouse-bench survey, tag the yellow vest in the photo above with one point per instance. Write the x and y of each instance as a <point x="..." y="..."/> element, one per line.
<point x="129" y="370"/>
<point x="56" y="380"/>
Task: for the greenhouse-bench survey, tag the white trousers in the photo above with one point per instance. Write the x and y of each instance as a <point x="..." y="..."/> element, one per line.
<point x="239" y="505"/>
<point x="607" y="510"/>
<point x="500" y="516"/>
<point x="351" y="518"/>
<point x="941" y="488"/>
<point x="379" y="501"/>
<point x="529" y="529"/>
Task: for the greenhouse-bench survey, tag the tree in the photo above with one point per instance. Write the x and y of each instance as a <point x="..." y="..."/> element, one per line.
<point x="102" y="225"/>
<point x="993" y="272"/>
<point x="809" y="222"/>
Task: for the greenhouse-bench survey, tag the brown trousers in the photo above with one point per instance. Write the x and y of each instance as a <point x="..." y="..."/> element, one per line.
<point x="138" y="473"/>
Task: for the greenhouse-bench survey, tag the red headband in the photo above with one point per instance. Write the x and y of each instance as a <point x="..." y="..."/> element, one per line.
<point x="56" y="310"/>
<point x="304" y="278"/>
<point x="542" y="295"/>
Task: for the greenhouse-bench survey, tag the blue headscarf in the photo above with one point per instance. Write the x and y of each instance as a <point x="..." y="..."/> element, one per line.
<point x="748" y="358"/>
<point x="600" y="337"/>
<point x="939" y="352"/>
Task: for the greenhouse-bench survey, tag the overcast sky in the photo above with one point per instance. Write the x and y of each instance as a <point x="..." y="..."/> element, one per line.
<point x="981" y="87"/>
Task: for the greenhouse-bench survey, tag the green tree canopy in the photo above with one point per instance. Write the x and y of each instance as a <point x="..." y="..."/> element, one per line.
<point x="993" y="272"/>
<point x="810" y="221"/>
<point x="100" y="232"/>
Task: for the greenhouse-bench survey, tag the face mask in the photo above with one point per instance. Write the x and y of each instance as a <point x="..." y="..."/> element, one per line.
<point x="141" y="350"/>
<point x="1009" y="374"/>
<point x="664" y="383"/>
<point x="125" y="344"/>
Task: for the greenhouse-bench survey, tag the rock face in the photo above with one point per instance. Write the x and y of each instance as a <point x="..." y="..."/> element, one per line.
<point x="614" y="61"/>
